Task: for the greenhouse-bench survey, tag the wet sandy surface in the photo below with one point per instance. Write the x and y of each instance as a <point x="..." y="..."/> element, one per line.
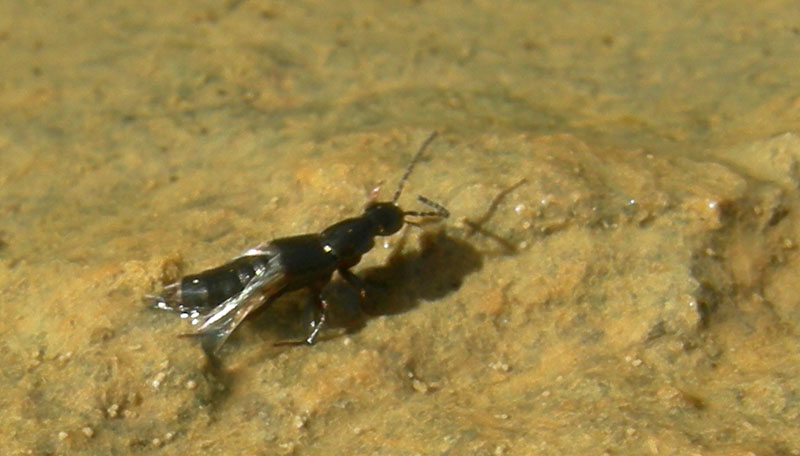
<point x="619" y="274"/>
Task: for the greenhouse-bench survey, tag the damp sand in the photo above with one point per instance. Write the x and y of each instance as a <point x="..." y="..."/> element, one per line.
<point x="619" y="274"/>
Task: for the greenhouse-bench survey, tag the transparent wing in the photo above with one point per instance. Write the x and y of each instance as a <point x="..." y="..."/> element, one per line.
<point x="214" y="327"/>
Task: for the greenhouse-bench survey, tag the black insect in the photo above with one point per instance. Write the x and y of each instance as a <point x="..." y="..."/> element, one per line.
<point x="217" y="300"/>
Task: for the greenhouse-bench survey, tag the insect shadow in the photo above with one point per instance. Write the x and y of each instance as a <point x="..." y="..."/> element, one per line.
<point x="437" y="269"/>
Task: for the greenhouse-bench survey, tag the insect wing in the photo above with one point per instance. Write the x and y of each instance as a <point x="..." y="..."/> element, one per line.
<point x="214" y="327"/>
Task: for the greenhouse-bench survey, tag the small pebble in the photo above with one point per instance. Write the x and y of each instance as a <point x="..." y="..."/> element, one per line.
<point x="419" y="386"/>
<point x="300" y="421"/>
<point x="160" y="377"/>
<point x="88" y="432"/>
<point x="62" y="435"/>
<point x="500" y="366"/>
<point x="64" y="357"/>
<point x="191" y="384"/>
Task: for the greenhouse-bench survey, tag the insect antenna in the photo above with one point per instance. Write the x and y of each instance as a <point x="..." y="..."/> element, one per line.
<point x="411" y="166"/>
<point x="438" y="209"/>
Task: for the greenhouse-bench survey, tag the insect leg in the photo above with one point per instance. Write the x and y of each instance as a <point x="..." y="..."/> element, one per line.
<point x="355" y="282"/>
<point x="316" y="325"/>
<point x="319" y="310"/>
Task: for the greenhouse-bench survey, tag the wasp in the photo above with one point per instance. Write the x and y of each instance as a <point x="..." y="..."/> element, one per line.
<point x="217" y="300"/>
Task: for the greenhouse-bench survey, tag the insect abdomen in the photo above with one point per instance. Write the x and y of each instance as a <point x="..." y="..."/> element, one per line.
<point x="213" y="286"/>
